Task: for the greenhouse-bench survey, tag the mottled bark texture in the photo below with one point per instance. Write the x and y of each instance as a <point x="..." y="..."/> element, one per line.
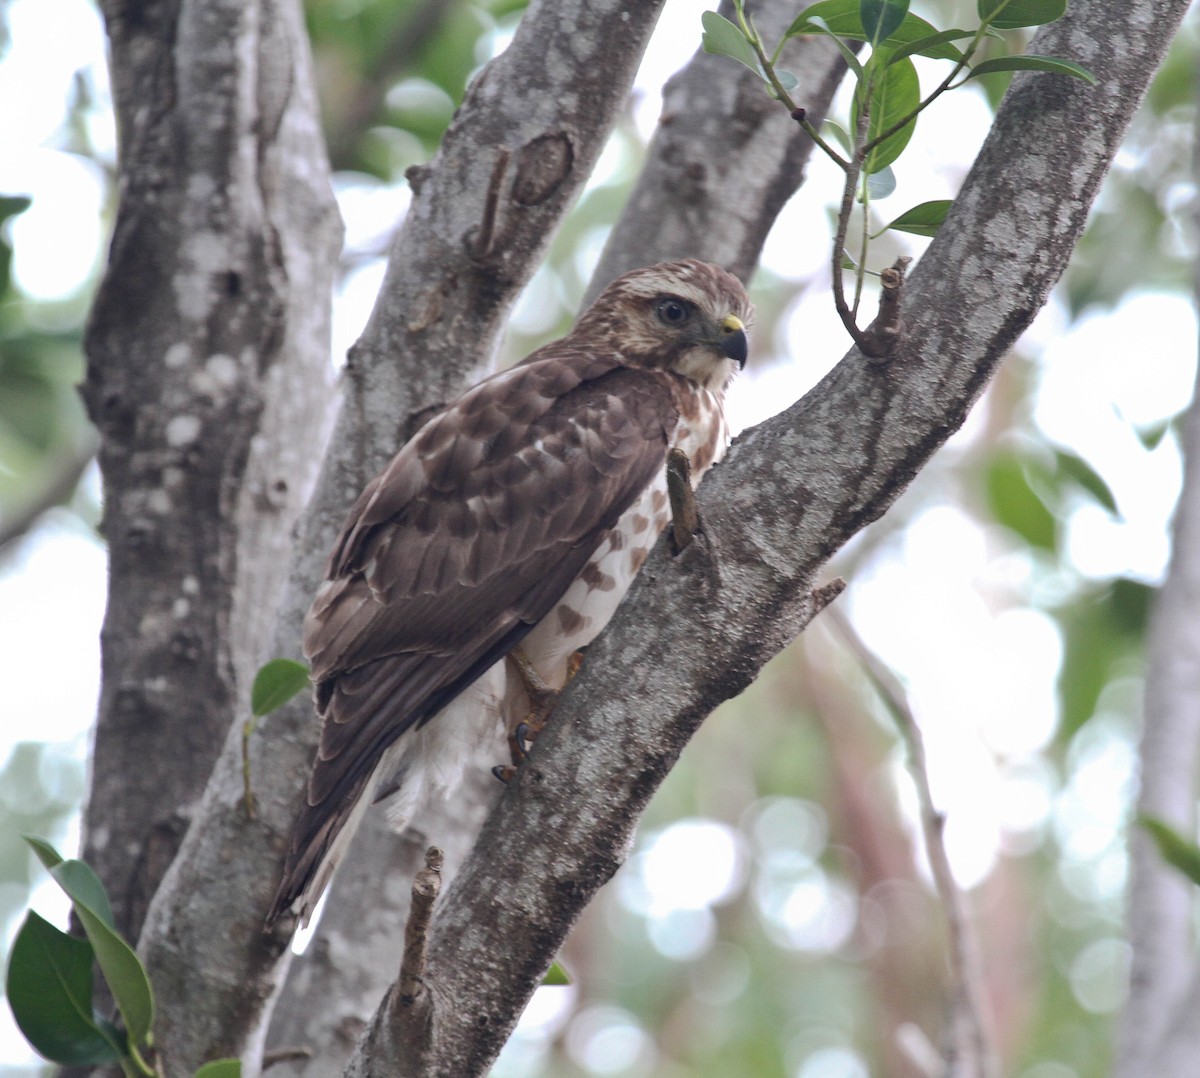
<point x="522" y="144"/>
<point x="208" y="379"/>
<point x="695" y="631"/>
<point x="743" y="156"/>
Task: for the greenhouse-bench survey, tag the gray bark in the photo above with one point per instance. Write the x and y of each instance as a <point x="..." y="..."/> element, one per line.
<point x="1159" y="1032"/>
<point x="544" y="108"/>
<point x="208" y="361"/>
<point x="744" y="157"/>
<point x="694" y="632"/>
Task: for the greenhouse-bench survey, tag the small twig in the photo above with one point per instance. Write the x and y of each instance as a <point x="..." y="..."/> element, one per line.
<point x="888" y="324"/>
<point x="483" y="240"/>
<point x="426" y="885"/>
<point x="971" y="1043"/>
<point x="685" y="514"/>
<point x="285" y="1055"/>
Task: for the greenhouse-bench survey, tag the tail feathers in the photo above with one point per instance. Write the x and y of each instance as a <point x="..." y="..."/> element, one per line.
<point x="320" y="840"/>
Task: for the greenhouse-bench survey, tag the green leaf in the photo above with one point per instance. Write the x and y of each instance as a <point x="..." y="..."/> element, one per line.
<point x="11" y="205"/>
<point x="881" y="184"/>
<point x="84" y="888"/>
<point x="121" y="967"/>
<point x="1103" y="634"/>
<point x="1033" y="63"/>
<point x="722" y="38"/>
<point x="275" y="684"/>
<point x="1151" y="436"/>
<point x="840" y="135"/>
<point x="1084" y="475"/>
<point x="852" y="61"/>
<point x="933" y="46"/>
<point x="221" y="1068"/>
<point x="923" y="219"/>
<point x="1014" y="503"/>
<point x="47" y="854"/>
<point x="881" y="18"/>
<point x="896" y="92"/>
<point x="1176" y="850"/>
<point x="556" y="974"/>
<point x="1013" y="14"/>
<point x="49" y="989"/>
<point x="842" y="17"/>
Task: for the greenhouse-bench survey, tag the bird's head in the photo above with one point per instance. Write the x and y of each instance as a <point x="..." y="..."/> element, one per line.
<point x="688" y="317"/>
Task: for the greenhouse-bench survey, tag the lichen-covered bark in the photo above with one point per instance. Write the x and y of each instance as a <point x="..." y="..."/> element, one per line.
<point x="208" y="353"/>
<point x="695" y="631"/>
<point x="517" y="154"/>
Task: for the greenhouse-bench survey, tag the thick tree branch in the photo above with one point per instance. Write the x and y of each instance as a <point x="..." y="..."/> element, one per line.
<point x="549" y="102"/>
<point x="792" y="491"/>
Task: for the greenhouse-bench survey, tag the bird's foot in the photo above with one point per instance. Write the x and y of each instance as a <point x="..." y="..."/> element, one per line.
<point x="542" y="699"/>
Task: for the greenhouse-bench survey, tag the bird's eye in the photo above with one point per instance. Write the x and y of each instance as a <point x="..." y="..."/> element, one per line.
<point x="673" y="312"/>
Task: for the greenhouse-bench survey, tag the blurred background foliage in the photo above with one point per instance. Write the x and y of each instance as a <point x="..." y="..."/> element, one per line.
<point x="776" y="916"/>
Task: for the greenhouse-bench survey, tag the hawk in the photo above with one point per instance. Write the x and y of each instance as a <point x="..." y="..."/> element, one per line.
<point x="510" y="526"/>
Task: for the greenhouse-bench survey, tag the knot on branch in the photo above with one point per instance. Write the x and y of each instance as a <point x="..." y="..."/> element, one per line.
<point x="881" y="336"/>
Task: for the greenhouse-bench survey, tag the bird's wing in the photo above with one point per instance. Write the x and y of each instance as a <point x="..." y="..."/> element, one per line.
<point x="469" y="537"/>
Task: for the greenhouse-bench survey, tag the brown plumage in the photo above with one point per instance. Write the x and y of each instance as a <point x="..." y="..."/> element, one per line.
<point x="517" y="516"/>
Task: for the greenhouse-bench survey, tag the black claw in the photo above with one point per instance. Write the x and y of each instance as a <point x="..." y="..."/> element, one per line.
<point x="504" y="772"/>
<point x="522" y="736"/>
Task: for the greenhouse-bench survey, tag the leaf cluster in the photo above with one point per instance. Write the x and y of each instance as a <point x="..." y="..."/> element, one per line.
<point x="50" y="983"/>
<point x="887" y="95"/>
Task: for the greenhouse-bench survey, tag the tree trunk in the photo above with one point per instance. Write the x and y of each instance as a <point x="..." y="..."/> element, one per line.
<point x="208" y="378"/>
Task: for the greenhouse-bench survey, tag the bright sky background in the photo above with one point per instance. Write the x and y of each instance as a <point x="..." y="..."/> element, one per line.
<point x="944" y="576"/>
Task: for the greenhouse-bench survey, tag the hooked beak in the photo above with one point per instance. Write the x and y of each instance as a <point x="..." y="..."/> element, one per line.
<point x="733" y="342"/>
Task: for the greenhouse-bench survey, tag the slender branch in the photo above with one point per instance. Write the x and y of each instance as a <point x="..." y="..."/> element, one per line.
<point x="972" y="1051"/>
<point x="56" y="488"/>
<point x="1157" y="1021"/>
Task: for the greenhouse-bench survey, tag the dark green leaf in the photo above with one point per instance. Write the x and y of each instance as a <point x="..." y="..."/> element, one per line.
<point x="1013" y="14"/>
<point x="1033" y="63"/>
<point x="1015" y="504"/>
<point x="924" y="219"/>
<point x="841" y="17"/>
<point x="118" y="963"/>
<point x="276" y="683"/>
<point x="1084" y="475"/>
<point x="11" y="205"/>
<point x="881" y="18"/>
<point x="722" y="38"/>
<point x="820" y="26"/>
<point x="1102" y="639"/>
<point x="49" y="989"/>
<point x="1177" y="851"/>
<point x="896" y="93"/>
<point x="221" y="1068"/>
<point x="556" y="974"/>
<point x="934" y="45"/>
